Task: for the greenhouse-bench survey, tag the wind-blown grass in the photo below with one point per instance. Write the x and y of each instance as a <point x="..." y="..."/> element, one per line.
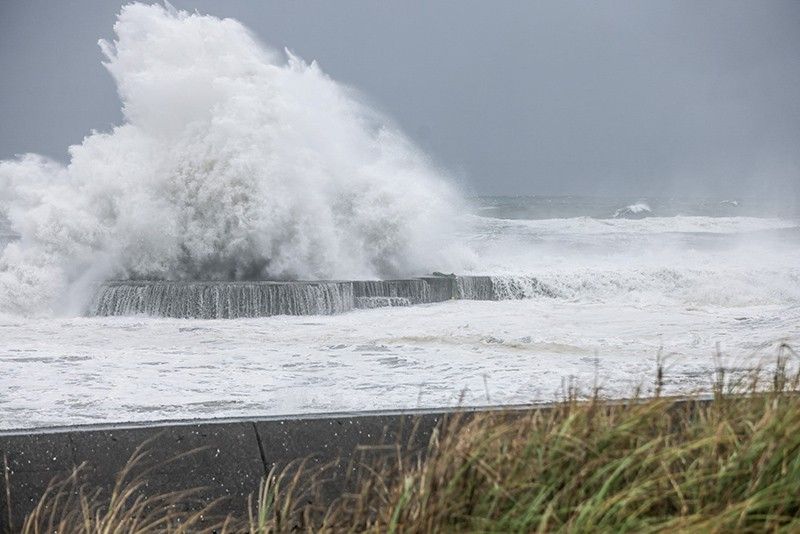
<point x="727" y="462"/>
<point x="69" y="506"/>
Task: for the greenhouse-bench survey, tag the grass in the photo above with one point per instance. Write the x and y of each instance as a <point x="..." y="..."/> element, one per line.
<point x="68" y="506"/>
<point x="730" y="462"/>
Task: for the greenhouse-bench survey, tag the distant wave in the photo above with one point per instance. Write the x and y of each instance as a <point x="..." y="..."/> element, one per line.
<point x="634" y="211"/>
<point x="649" y="225"/>
<point x="686" y="287"/>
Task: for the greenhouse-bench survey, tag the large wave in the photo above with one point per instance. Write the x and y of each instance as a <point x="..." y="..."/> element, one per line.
<point x="233" y="161"/>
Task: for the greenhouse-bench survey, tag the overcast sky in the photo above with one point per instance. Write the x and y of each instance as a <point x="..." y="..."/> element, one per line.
<point x="635" y="98"/>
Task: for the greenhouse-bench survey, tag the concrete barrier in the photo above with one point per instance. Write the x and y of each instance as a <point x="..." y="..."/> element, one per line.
<point x="263" y="298"/>
<point x="227" y="458"/>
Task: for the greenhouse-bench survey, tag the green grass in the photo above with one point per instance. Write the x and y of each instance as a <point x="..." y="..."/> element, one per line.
<point x="726" y="463"/>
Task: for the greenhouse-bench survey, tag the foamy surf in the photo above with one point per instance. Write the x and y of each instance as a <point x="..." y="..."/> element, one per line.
<point x="236" y="163"/>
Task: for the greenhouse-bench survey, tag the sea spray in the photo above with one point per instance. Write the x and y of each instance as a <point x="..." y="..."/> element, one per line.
<point x="233" y="162"/>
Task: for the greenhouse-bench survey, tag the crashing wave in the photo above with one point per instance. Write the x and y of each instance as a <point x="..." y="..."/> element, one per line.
<point x="521" y="287"/>
<point x="634" y="211"/>
<point x="234" y="162"/>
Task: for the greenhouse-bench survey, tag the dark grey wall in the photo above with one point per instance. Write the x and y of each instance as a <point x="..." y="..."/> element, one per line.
<point x="227" y="459"/>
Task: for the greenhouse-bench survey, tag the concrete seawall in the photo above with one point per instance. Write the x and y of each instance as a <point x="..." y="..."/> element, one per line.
<point x="227" y="300"/>
<point x="228" y="458"/>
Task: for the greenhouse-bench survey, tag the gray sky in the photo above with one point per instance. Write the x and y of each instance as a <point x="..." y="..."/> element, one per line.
<point x="635" y="98"/>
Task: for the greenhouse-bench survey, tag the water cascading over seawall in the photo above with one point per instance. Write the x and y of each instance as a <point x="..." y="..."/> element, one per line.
<point x="230" y="300"/>
<point x="221" y="300"/>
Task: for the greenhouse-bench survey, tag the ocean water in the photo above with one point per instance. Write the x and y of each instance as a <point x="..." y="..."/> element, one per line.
<point x="684" y="280"/>
<point x="235" y="163"/>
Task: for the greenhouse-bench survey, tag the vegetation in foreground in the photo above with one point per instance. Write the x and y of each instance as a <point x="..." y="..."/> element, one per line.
<point x="728" y="463"/>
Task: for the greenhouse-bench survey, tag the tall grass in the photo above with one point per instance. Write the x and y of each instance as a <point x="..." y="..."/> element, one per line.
<point x="728" y="462"/>
<point x="70" y="506"/>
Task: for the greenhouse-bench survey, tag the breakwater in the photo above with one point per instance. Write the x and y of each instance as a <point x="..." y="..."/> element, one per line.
<point x="226" y="459"/>
<point x="221" y="300"/>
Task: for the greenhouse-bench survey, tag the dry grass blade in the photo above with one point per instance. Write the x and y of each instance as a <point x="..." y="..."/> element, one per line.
<point x="69" y="505"/>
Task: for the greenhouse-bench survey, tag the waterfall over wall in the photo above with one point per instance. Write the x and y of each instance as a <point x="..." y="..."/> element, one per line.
<point x="417" y="291"/>
<point x="474" y="288"/>
<point x="222" y="300"/>
<point x="230" y="300"/>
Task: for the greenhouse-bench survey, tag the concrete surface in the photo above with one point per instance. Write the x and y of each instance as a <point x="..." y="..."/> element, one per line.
<point x="226" y="458"/>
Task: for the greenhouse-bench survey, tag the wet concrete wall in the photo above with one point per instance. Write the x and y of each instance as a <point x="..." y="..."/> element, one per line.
<point x="228" y="459"/>
<point x="225" y="300"/>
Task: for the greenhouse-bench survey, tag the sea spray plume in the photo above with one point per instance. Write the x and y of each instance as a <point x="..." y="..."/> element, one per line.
<point x="231" y="163"/>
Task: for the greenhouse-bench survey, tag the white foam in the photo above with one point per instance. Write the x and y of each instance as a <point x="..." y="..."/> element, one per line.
<point x="68" y="371"/>
<point x="234" y="161"/>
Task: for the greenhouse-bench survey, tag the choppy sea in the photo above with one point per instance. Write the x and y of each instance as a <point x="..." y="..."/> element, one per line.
<point x="692" y="282"/>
